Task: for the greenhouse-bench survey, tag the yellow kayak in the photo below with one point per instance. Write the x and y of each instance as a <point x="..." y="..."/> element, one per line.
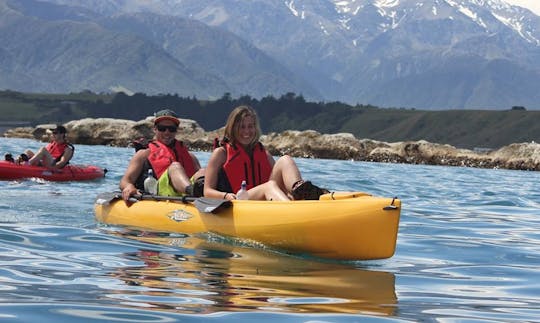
<point x="340" y="225"/>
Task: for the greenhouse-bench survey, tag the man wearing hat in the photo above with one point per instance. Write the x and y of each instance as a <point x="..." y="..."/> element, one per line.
<point x="56" y="154"/>
<point x="169" y="159"/>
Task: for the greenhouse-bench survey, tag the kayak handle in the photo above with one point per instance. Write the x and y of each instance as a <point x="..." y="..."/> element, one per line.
<point x="391" y="206"/>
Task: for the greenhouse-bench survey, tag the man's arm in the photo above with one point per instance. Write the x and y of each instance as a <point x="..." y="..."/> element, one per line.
<point x="134" y="169"/>
<point x="66" y="157"/>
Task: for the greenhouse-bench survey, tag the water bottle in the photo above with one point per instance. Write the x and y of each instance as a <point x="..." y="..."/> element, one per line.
<point x="242" y="194"/>
<point x="150" y="183"/>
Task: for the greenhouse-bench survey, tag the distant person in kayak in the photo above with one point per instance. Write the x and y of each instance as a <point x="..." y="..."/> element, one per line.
<point x="56" y="154"/>
<point x="177" y="170"/>
<point x="242" y="157"/>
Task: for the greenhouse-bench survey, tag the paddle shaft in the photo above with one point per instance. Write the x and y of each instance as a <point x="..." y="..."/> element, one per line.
<point x="203" y="204"/>
<point x="183" y="199"/>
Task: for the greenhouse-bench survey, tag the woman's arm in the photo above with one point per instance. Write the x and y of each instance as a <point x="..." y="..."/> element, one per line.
<point x="216" y="161"/>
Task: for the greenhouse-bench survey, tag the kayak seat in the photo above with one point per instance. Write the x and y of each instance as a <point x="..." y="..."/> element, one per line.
<point x="305" y="190"/>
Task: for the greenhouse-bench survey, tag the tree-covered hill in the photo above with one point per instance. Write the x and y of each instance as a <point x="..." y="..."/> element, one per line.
<point x="460" y="128"/>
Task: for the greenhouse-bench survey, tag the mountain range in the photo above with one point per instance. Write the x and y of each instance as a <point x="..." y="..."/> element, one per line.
<point x="426" y="54"/>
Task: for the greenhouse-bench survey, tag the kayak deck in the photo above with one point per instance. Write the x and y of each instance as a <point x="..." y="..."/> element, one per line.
<point x="343" y="225"/>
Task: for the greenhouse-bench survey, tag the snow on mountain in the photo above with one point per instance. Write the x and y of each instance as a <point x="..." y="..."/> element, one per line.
<point x="396" y="11"/>
<point x="421" y="53"/>
<point x="391" y="12"/>
<point x="533" y="5"/>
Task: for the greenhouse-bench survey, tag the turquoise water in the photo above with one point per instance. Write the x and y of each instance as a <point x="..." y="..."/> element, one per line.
<point x="468" y="250"/>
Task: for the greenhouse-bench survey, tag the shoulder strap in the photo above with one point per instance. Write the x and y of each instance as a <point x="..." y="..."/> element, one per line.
<point x="71" y="146"/>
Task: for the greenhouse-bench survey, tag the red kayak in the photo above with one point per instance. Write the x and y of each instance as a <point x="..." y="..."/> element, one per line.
<point x="12" y="171"/>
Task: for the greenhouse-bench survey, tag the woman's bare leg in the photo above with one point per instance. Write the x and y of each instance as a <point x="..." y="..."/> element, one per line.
<point x="268" y="191"/>
<point x="285" y="173"/>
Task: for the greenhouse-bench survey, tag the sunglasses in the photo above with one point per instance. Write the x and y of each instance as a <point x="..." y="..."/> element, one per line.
<point x="163" y="128"/>
<point x="55" y="132"/>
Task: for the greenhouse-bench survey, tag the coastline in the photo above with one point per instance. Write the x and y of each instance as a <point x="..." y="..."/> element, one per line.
<point x="7" y="125"/>
<point x="307" y="144"/>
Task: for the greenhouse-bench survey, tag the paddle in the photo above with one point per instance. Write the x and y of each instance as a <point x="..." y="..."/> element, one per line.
<point x="203" y="204"/>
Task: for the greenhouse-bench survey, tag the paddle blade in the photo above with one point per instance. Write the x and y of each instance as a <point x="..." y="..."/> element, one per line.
<point x="107" y="198"/>
<point x="208" y="205"/>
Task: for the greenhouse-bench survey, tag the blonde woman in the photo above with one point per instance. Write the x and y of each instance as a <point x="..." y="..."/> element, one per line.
<point x="241" y="157"/>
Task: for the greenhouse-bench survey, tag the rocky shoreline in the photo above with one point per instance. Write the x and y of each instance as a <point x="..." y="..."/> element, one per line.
<point x="308" y="144"/>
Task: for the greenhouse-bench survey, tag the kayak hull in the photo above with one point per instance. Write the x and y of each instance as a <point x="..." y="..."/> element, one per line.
<point x="11" y="171"/>
<point x="346" y="225"/>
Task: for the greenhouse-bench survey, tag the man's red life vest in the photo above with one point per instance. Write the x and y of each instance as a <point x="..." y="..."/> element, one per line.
<point x="239" y="166"/>
<point x="57" y="149"/>
<point x="162" y="156"/>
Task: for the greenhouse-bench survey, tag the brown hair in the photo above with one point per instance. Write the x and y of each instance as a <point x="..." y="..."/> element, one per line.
<point x="235" y="118"/>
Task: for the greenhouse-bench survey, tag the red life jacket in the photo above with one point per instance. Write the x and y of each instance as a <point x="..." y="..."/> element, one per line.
<point x="239" y="166"/>
<point x="161" y="157"/>
<point x="57" y="149"/>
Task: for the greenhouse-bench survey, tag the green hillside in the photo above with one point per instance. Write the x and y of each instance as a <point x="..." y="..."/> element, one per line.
<point x="460" y="128"/>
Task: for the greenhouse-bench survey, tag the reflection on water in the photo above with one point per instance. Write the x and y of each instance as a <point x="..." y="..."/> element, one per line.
<point x="209" y="277"/>
<point x="176" y="274"/>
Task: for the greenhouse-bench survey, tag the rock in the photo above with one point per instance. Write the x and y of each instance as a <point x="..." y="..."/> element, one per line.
<point x="20" y="132"/>
<point x="312" y="144"/>
<point x="308" y="143"/>
<point x="525" y="156"/>
<point x="105" y="131"/>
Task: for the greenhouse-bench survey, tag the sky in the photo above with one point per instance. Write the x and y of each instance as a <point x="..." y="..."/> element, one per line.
<point x="533" y="5"/>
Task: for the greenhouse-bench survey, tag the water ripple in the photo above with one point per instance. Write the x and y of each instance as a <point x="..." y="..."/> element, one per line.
<point x="468" y="250"/>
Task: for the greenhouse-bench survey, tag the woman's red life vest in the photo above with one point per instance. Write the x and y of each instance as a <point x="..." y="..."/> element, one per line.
<point x="162" y="156"/>
<point x="57" y="149"/>
<point x="239" y="166"/>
